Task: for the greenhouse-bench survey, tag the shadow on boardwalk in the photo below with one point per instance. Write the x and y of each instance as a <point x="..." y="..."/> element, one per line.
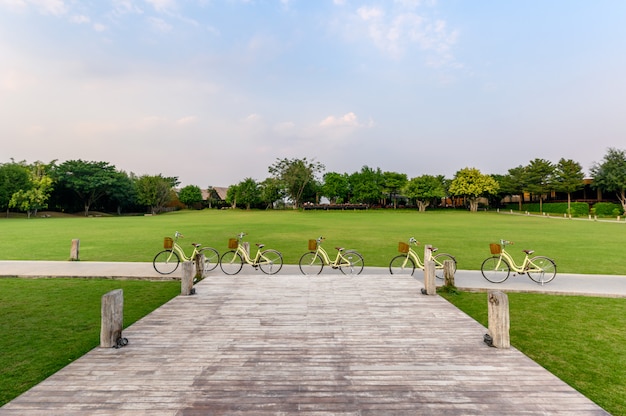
<point x="328" y="345"/>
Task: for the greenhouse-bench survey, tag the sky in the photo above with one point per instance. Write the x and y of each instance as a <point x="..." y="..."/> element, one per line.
<point x="216" y="91"/>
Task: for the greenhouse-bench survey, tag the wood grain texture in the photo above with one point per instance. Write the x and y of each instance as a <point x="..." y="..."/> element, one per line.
<point x="325" y="345"/>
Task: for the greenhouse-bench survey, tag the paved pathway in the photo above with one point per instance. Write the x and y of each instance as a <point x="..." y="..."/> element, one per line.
<point x="579" y="284"/>
<point x="288" y="344"/>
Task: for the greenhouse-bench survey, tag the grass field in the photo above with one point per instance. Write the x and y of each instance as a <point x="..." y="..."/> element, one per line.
<point x="375" y="233"/>
<point x="581" y="340"/>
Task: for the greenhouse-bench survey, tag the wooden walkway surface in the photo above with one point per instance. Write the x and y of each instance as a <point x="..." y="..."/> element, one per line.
<point x="329" y="345"/>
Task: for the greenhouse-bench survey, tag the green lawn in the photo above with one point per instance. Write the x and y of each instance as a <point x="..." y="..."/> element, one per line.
<point x="375" y="233"/>
<point x="581" y="340"/>
<point x="47" y="323"/>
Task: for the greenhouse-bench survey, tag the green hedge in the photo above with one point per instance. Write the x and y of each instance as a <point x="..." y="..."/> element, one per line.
<point x="607" y="209"/>
<point x="578" y="208"/>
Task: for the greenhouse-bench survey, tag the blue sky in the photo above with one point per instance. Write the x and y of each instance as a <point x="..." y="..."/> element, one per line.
<point x="215" y="91"/>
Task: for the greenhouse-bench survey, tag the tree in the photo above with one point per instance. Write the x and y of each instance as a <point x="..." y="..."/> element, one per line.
<point x="248" y="192"/>
<point x="336" y="187"/>
<point x="270" y="192"/>
<point x="297" y="176"/>
<point x="155" y="191"/>
<point x="367" y="185"/>
<point x="190" y="195"/>
<point x="425" y="189"/>
<point x="123" y="192"/>
<point x="88" y="180"/>
<point x="539" y="178"/>
<point x="393" y="182"/>
<point x="568" y="177"/>
<point x="231" y="195"/>
<point x="610" y="175"/>
<point x="13" y="178"/>
<point x="37" y="194"/>
<point x="514" y="183"/>
<point x="472" y="184"/>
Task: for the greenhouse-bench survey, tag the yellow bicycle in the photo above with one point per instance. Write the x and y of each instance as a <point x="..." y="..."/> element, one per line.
<point x="497" y="268"/>
<point x="269" y="261"/>
<point x="350" y="262"/>
<point x="166" y="261"/>
<point x="408" y="261"/>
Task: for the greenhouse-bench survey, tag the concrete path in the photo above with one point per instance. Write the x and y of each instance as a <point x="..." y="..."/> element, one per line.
<point x="575" y="284"/>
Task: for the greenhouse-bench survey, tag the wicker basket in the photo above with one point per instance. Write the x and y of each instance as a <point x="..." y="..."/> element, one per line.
<point x="168" y="243"/>
<point x="232" y="243"/>
<point x="312" y="244"/>
<point x="403" y="247"/>
<point x="495" y="248"/>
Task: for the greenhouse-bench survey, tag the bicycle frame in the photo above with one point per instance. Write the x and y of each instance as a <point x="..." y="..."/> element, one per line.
<point x="246" y="256"/>
<point x="509" y="259"/>
<point x="179" y="250"/>
<point x="340" y="260"/>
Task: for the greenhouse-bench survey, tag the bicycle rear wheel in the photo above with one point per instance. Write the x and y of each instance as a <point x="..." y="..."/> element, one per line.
<point x="402" y="265"/>
<point x="351" y="263"/>
<point x="541" y="269"/>
<point x="166" y="262"/>
<point x="439" y="259"/>
<point x="211" y="258"/>
<point x="231" y="262"/>
<point x="270" y="262"/>
<point x="311" y="263"/>
<point x="495" y="269"/>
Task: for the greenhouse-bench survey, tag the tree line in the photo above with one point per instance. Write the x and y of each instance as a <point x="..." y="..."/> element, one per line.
<point x="81" y="186"/>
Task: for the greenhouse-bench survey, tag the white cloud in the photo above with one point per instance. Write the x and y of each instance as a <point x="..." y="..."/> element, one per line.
<point x="347" y="120"/>
<point x="186" y="120"/>
<point x="53" y="7"/>
<point x="160" y="25"/>
<point x="370" y="13"/>
<point x="162" y="5"/>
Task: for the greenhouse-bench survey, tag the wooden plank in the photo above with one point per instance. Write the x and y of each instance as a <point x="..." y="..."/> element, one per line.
<point x="325" y="345"/>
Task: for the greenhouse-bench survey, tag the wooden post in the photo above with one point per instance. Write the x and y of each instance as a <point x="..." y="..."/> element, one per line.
<point x="74" y="250"/>
<point x="200" y="259"/>
<point x="112" y="318"/>
<point x="428" y="253"/>
<point x="448" y="273"/>
<point x="498" y="304"/>
<point x="430" y="288"/>
<point x="186" y="282"/>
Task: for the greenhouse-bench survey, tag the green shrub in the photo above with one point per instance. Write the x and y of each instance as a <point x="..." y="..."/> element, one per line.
<point x="607" y="209"/>
<point x="579" y="209"/>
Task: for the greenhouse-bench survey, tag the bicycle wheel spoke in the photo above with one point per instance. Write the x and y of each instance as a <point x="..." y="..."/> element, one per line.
<point x="231" y="262"/>
<point x="166" y="262"/>
<point x="541" y="269"/>
<point x="351" y="263"/>
<point x="271" y="262"/>
<point x="439" y="260"/>
<point x="311" y="263"/>
<point x="495" y="269"/>
<point x="402" y="265"/>
<point x="211" y="258"/>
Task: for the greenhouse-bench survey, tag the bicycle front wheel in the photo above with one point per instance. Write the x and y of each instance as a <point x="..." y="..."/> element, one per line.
<point x="439" y="260"/>
<point x="351" y="263"/>
<point x="166" y="262"/>
<point x="541" y="269"/>
<point x="402" y="265"/>
<point x="231" y="262"/>
<point x="311" y="263"/>
<point x="211" y="258"/>
<point x="271" y="261"/>
<point x="495" y="269"/>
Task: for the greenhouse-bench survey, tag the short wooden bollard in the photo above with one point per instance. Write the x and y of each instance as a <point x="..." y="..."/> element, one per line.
<point x="448" y="273"/>
<point x="200" y="259"/>
<point x="186" y="281"/>
<point x="430" y="287"/>
<point x="498" y="304"/>
<point x="112" y="318"/>
<point x="74" y="251"/>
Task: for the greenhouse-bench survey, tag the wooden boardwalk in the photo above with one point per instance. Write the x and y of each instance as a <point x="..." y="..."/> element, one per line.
<point x="329" y="345"/>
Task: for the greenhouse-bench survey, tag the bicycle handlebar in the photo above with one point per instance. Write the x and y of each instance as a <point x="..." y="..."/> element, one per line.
<point x="177" y="235"/>
<point x="241" y="235"/>
<point x="506" y="242"/>
<point x="412" y="240"/>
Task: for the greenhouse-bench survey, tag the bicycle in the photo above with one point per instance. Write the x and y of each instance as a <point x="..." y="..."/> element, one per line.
<point x="497" y="268"/>
<point x="408" y="261"/>
<point x="166" y="261"/>
<point x="269" y="261"/>
<point x="349" y="262"/>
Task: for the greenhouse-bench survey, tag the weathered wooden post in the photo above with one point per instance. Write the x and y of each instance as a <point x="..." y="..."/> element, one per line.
<point x="200" y="259"/>
<point x="186" y="281"/>
<point x="430" y="287"/>
<point x="75" y="250"/>
<point x="448" y="273"/>
<point x="112" y="318"/>
<point x="498" y="304"/>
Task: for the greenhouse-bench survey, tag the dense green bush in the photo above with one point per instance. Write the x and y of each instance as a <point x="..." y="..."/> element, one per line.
<point x="607" y="209"/>
<point x="578" y="208"/>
